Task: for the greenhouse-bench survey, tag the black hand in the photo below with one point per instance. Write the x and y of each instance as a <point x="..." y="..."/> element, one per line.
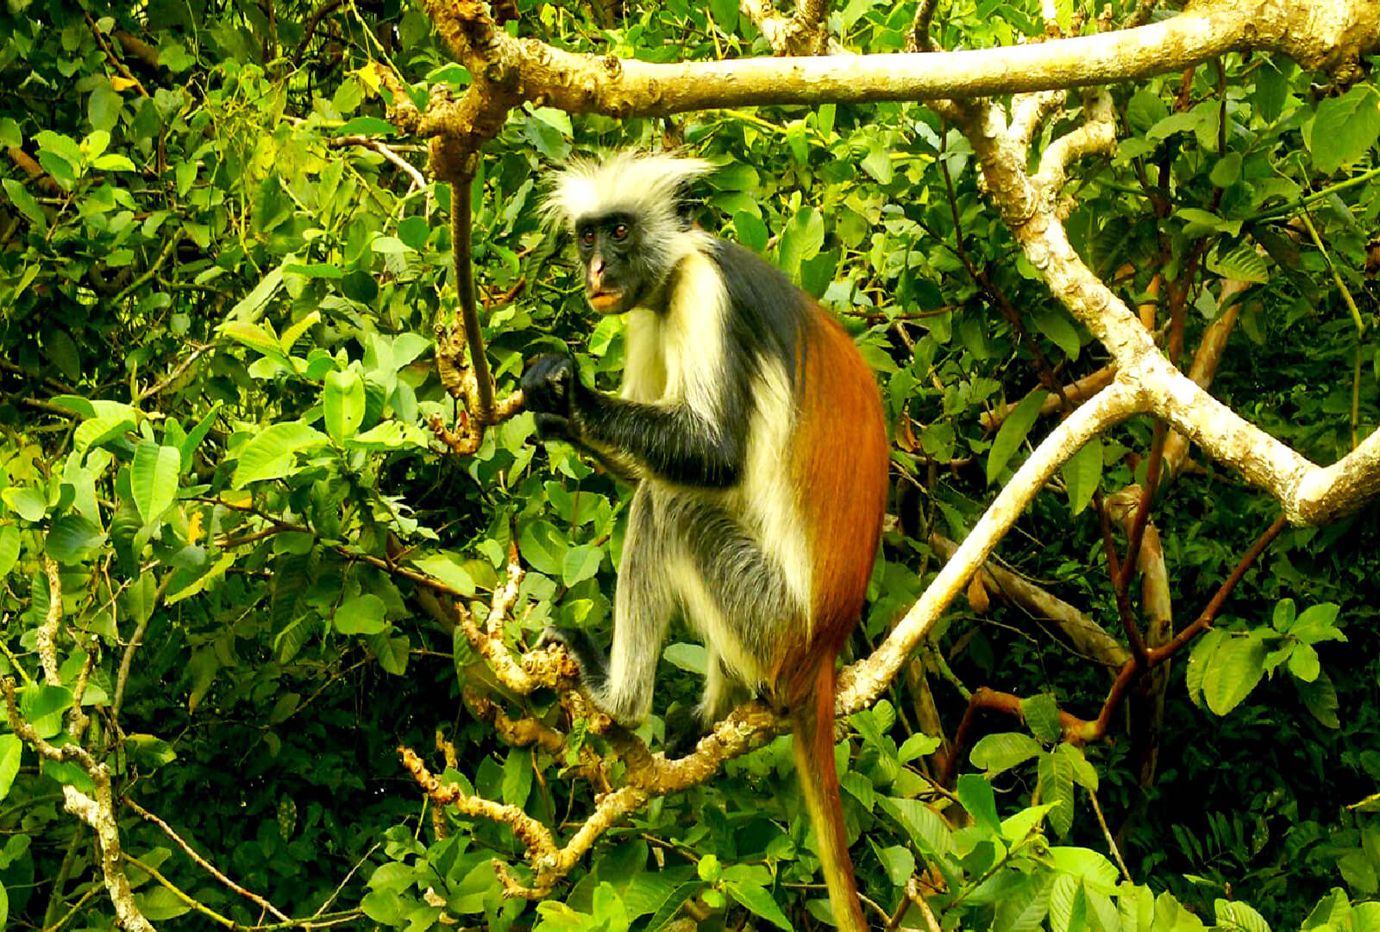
<point x="549" y="387"/>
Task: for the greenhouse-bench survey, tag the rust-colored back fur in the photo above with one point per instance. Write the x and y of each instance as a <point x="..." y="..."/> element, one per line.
<point x="840" y="463"/>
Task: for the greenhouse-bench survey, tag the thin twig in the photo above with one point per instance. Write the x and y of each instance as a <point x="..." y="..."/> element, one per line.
<point x="202" y="862"/>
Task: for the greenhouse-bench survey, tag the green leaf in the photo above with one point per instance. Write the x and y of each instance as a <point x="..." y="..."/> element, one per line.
<point x="187" y="449"/>
<point x="917" y="745"/>
<point x="1227" y="170"/>
<point x="1084" y="774"/>
<point x="580" y="563"/>
<point x="801" y="239"/>
<point x="976" y="795"/>
<point x="1058" y="328"/>
<point x="21" y="198"/>
<point x="11" y="750"/>
<point x="270" y="454"/>
<point x="1056" y="787"/>
<point x="1198" y="222"/>
<point x="26" y="501"/>
<point x="1345" y="128"/>
<point x="1242" y="263"/>
<point x="73" y="539"/>
<point x="1233" y="671"/>
<point x="249" y="307"/>
<point x="9" y="548"/>
<point x="215" y="572"/>
<point x="254" y="337"/>
<point x="692" y="658"/>
<point x="680" y="895"/>
<point x="294" y="333"/>
<point x="43" y="705"/>
<point x="447" y="569"/>
<point x="384" y="907"/>
<point x="153" y="479"/>
<point x="899" y="863"/>
<point x="1000" y="752"/>
<point x="759" y="901"/>
<point x="343" y="403"/>
<point x="751" y="231"/>
<point x="363" y="614"/>
<point x="1012" y="433"/>
<point x="1087" y="865"/>
<point x="725" y="13"/>
<point x="1041" y="714"/>
<point x="877" y="162"/>
<point x="1320" y="697"/>
<point x="114" y="162"/>
<point x="1237" y="916"/>
<point x="1317" y="623"/>
<point x="517" y="777"/>
<point x="160" y="904"/>
<point x="930" y="833"/>
<point x="543" y="547"/>
<point x="1083" y="474"/>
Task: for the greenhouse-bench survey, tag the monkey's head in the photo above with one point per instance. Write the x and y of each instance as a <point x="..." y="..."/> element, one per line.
<point x="626" y="212"/>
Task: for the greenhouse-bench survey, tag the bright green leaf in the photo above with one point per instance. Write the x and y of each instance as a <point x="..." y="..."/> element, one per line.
<point x="1012" y="433"/>
<point x="344" y="404"/>
<point x="759" y="901"/>
<point x="11" y="750"/>
<point x="73" y="539"/>
<point x="1345" y="128"/>
<point x="1083" y="474"/>
<point x="269" y="454"/>
<point x="9" y="548"/>
<point x="153" y="479"/>
<point x="1234" y="670"/>
<point x="363" y="614"/>
<point x="26" y="501"/>
<point x="1000" y="752"/>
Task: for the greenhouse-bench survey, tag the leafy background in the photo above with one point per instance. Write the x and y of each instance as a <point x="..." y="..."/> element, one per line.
<point x="216" y="313"/>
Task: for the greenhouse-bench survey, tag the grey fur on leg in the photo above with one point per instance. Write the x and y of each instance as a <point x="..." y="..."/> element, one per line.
<point x="643" y="606"/>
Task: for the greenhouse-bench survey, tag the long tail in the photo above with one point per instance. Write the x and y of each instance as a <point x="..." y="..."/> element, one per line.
<point x="819" y="780"/>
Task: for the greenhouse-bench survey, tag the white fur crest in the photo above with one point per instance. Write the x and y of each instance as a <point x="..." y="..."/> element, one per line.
<point x="644" y="184"/>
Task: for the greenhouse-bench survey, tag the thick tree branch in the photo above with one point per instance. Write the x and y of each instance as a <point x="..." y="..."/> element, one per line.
<point x="1317" y="35"/>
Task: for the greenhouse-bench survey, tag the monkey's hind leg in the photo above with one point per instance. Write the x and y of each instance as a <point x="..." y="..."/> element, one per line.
<point x="643" y="606"/>
<point x="736" y="595"/>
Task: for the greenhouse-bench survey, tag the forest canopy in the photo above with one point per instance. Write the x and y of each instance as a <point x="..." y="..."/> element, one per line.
<point x="278" y="538"/>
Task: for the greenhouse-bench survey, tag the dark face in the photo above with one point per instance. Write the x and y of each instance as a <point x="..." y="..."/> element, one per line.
<point x="617" y="274"/>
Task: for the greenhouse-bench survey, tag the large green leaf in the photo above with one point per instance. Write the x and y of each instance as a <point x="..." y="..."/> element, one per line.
<point x="1012" y="434"/>
<point x="11" y="750"/>
<point x="9" y="548"/>
<point x="271" y="454"/>
<point x="153" y="478"/>
<point x="759" y="902"/>
<point x="1235" y="668"/>
<point x="1345" y="128"/>
<point x="73" y="539"/>
<point x="343" y="403"/>
<point x="363" y="614"/>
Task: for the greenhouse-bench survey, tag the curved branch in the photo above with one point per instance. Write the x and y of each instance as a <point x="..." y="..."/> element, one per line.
<point x="863" y="682"/>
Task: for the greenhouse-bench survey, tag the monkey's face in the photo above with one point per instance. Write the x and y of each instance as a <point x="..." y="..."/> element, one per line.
<point x="618" y="273"/>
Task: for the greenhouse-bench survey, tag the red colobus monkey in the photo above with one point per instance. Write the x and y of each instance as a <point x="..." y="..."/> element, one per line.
<point x="753" y="430"/>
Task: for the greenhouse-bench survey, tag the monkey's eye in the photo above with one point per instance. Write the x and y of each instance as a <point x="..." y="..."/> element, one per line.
<point x="587" y="236"/>
<point x="620" y="232"/>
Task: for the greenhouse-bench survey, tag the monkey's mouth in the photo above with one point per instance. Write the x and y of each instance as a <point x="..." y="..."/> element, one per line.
<point x="606" y="301"/>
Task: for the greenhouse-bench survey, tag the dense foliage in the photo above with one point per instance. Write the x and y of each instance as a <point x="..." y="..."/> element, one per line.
<point x="217" y="301"/>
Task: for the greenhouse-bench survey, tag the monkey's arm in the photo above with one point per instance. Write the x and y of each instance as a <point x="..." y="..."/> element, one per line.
<point x="671" y="442"/>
